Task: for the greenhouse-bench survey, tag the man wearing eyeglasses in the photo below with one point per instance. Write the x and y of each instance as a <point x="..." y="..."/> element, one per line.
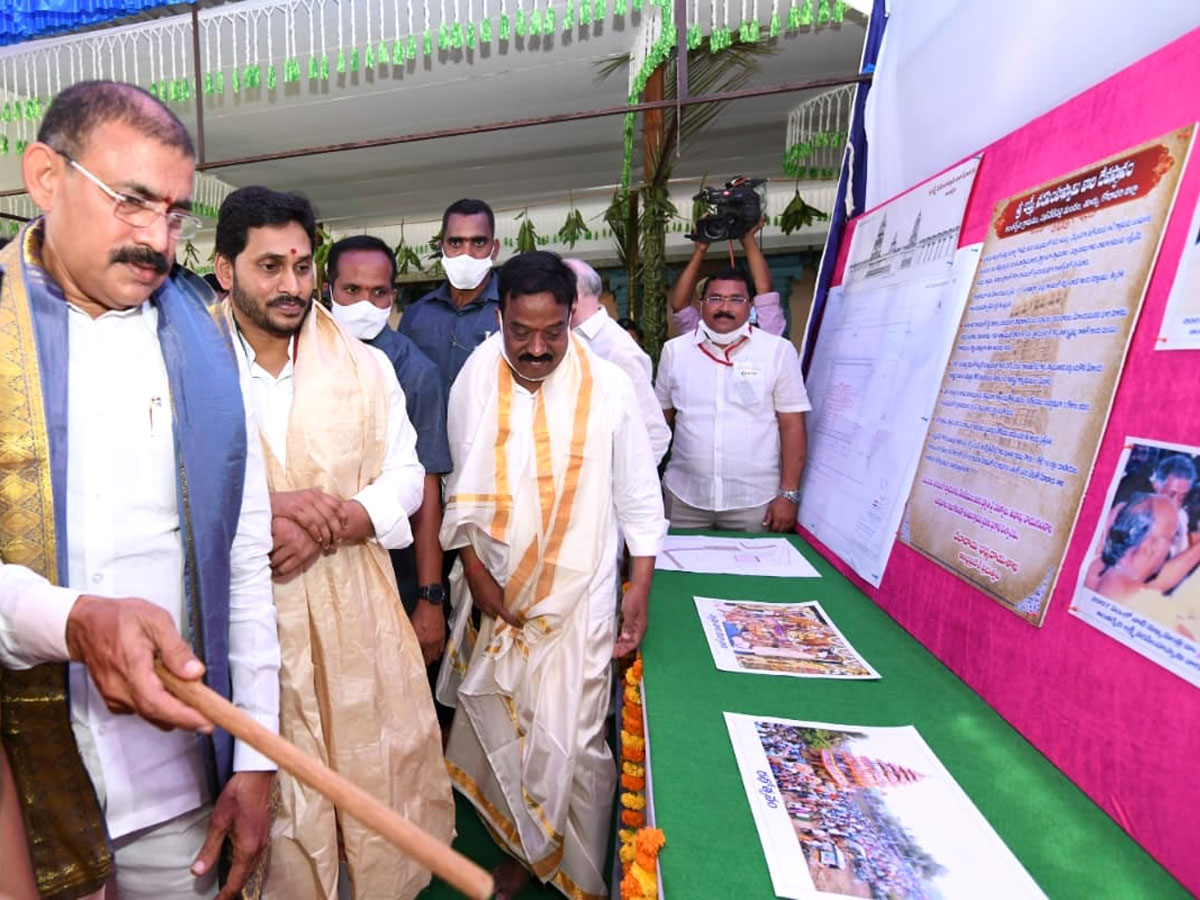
<point x="767" y="311"/>
<point x="735" y="398"/>
<point x="134" y="507"/>
<point x="449" y="322"/>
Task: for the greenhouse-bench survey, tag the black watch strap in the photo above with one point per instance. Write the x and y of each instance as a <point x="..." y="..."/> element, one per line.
<point x="432" y="593"/>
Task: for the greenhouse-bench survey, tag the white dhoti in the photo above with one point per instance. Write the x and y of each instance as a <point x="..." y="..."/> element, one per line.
<point x="539" y="481"/>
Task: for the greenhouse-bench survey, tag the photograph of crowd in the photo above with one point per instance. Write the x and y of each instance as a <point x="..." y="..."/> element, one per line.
<point x="796" y="639"/>
<point x="855" y="811"/>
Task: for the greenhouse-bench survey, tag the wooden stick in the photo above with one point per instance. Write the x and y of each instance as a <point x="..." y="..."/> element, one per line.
<point x="446" y="863"/>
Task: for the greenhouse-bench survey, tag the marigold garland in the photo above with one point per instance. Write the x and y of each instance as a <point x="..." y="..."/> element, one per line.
<point x="640" y="845"/>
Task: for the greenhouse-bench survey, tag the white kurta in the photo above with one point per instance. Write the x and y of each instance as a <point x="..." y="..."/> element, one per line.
<point x="727" y="402"/>
<point x="392" y="497"/>
<point x="123" y="541"/>
<point x="527" y="746"/>
<point x="610" y="341"/>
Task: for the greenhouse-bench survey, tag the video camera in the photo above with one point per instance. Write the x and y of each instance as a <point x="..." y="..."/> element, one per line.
<point x="735" y="209"/>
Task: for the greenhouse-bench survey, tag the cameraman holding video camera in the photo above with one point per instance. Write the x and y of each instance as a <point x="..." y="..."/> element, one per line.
<point x="736" y="212"/>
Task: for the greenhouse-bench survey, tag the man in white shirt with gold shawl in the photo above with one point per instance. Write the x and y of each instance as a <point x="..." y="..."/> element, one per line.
<point x="344" y="477"/>
<point x="550" y="455"/>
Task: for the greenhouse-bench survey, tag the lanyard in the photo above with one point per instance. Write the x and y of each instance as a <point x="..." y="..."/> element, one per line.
<point x="726" y="361"/>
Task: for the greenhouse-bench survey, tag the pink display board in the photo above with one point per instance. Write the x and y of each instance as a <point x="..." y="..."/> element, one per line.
<point x="1126" y="731"/>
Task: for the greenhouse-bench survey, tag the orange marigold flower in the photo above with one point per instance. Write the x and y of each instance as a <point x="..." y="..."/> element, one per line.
<point x="637" y="754"/>
<point x="647" y="880"/>
<point x="636" y="668"/>
<point x="633" y="725"/>
<point x="633" y="818"/>
<point x="650" y="840"/>
<point x="645" y="861"/>
<point x="632" y="782"/>
<point x="630" y="889"/>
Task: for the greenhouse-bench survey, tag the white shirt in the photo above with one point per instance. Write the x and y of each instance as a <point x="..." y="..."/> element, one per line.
<point x="123" y="538"/>
<point x="726" y="450"/>
<point x="392" y="497"/>
<point x="610" y="341"/>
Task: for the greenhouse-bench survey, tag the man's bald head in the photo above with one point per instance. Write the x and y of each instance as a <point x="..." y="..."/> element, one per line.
<point x="589" y="286"/>
<point x="83" y="107"/>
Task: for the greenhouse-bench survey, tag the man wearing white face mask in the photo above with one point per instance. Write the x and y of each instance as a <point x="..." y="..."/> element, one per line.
<point x="735" y="398"/>
<point x="459" y="315"/>
<point x="361" y="274"/>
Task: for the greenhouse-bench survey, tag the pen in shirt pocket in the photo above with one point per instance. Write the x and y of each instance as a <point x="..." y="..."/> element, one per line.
<point x="155" y="413"/>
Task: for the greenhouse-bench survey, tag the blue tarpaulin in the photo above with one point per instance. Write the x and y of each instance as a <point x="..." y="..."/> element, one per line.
<point x="25" y="20"/>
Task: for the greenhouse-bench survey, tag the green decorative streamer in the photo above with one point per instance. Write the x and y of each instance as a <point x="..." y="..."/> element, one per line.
<point x="382" y="55"/>
<point x="504" y="28"/>
<point x="412" y="46"/>
<point x="270" y="78"/>
<point x="427" y="44"/>
<point x="21" y="145"/>
<point x="485" y="31"/>
<point x="235" y="81"/>
<point x="521" y="21"/>
<point x="219" y="82"/>
<point x="620" y="8"/>
<point x="599" y="14"/>
<point x="839" y="11"/>
<point x="534" y="23"/>
<point x="325" y="68"/>
<point x="469" y="36"/>
<point x="354" y="60"/>
<point x="806" y="14"/>
<point x="314" y="68"/>
<point x="775" y="29"/>
<point x="208" y="83"/>
<point x="369" y="62"/>
<point x="585" y="12"/>
<point x="823" y="13"/>
<point x="637" y="4"/>
<point x="549" y="23"/>
<point x="4" y="144"/>
<point x="397" y="53"/>
<point x="569" y="16"/>
<point x="694" y="38"/>
<point x="443" y="36"/>
<point x="341" y="62"/>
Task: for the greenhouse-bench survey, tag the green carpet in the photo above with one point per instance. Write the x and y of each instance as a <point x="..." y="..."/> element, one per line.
<point x="476" y="844"/>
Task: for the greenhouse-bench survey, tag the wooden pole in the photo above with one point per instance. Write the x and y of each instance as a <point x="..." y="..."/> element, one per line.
<point x="447" y="864"/>
<point x="652" y="122"/>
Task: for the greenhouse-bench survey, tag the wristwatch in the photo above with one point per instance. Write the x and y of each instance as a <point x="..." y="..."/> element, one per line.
<point x="789" y="496"/>
<point x="432" y="593"/>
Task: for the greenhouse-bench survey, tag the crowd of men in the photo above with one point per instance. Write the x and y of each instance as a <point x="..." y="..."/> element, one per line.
<point x="272" y="495"/>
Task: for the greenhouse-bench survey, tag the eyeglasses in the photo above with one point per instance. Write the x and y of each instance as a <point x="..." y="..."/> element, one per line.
<point x="735" y="299"/>
<point x="140" y="212"/>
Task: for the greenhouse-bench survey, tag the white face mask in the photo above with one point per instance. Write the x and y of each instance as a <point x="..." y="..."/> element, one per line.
<point x="464" y="271"/>
<point x="363" y="319"/>
<point x="729" y="337"/>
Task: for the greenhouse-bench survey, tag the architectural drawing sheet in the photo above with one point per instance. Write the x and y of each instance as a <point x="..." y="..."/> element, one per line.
<point x="877" y="366"/>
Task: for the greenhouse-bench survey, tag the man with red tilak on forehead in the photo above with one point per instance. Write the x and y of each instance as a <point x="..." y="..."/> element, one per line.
<point x="550" y="454"/>
<point x="344" y="479"/>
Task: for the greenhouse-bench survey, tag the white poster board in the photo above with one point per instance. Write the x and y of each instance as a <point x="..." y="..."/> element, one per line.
<point x="878" y="364"/>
